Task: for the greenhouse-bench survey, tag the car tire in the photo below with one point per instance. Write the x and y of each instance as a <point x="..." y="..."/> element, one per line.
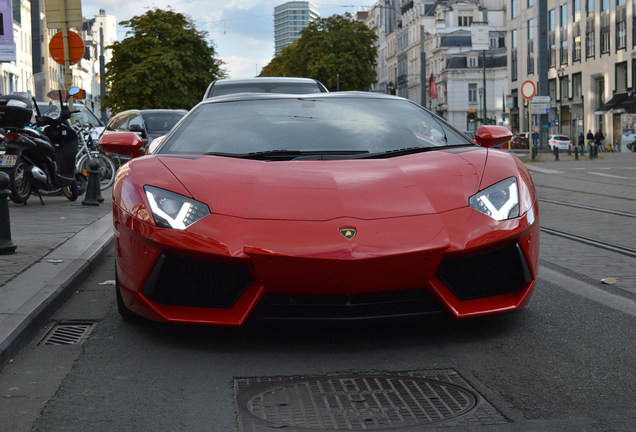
<point x="121" y="307"/>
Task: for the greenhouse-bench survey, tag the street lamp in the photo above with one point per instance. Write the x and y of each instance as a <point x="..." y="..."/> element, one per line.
<point x="561" y="72"/>
<point x="481" y="94"/>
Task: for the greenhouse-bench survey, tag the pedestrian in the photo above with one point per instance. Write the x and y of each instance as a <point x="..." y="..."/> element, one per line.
<point x="581" y="141"/>
<point x="590" y="138"/>
<point x="598" y="139"/>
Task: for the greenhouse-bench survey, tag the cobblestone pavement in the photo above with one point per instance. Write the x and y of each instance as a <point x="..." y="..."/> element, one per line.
<point x="608" y="182"/>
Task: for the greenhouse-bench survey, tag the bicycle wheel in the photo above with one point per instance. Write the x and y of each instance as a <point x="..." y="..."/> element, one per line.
<point x="106" y="169"/>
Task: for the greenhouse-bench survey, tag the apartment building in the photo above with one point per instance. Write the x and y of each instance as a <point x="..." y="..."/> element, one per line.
<point x="589" y="63"/>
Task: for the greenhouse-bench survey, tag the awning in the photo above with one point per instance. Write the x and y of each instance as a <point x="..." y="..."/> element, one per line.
<point x="618" y="98"/>
<point x="626" y="105"/>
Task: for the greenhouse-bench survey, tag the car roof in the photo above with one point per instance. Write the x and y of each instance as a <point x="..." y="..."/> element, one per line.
<point x="272" y="96"/>
<point x="149" y="111"/>
<point x="264" y="79"/>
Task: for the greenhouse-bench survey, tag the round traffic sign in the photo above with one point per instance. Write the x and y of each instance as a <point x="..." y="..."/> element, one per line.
<point x="528" y="89"/>
<point x="75" y="47"/>
<point x="536" y="129"/>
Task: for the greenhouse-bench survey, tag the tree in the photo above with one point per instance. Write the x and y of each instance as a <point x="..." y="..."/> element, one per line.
<point x="333" y="50"/>
<point x="163" y="62"/>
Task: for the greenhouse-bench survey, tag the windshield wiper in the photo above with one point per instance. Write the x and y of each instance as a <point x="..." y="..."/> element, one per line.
<point x="291" y="154"/>
<point x="396" y="152"/>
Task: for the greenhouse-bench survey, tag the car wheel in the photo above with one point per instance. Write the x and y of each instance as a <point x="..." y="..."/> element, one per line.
<point x="121" y="307"/>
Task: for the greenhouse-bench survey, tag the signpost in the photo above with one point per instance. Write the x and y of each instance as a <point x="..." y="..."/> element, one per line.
<point x="528" y="90"/>
<point x="64" y="14"/>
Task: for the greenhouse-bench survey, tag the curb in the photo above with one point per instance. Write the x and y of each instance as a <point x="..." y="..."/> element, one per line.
<point x="41" y="290"/>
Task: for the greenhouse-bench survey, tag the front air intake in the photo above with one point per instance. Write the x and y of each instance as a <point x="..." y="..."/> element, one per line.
<point x="499" y="271"/>
<point x="181" y="281"/>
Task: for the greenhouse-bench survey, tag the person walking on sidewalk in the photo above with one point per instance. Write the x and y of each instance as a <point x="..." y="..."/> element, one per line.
<point x="581" y="142"/>
<point x="590" y="138"/>
<point x="598" y="139"/>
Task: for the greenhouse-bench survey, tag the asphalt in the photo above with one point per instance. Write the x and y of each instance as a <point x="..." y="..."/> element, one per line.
<point x="60" y="243"/>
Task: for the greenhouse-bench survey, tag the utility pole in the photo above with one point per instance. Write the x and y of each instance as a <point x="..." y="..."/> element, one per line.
<point x="422" y="67"/>
<point x="102" y="72"/>
<point x="483" y="114"/>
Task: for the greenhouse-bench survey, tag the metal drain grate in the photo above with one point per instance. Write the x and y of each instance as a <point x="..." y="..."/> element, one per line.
<point x="68" y="333"/>
<point x="361" y="402"/>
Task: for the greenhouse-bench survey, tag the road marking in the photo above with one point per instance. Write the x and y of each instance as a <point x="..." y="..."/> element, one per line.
<point x="612" y="176"/>
<point x="590" y="292"/>
<point x="543" y="170"/>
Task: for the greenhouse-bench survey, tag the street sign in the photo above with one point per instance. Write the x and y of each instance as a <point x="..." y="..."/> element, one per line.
<point x="75" y="47"/>
<point x="509" y="102"/>
<point x="60" y="12"/>
<point x="541" y="100"/>
<point x="528" y="89"/>
<point x="540" y="110"/>
<point x="540" y="105"/>
<point x="536" y="129"/>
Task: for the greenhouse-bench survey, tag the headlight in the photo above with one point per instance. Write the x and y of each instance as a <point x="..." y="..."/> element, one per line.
<point x="499" y="201"/>
<point x="171" y="210"/>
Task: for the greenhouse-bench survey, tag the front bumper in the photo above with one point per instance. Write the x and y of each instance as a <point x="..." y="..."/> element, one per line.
<point x="222" y="270"/>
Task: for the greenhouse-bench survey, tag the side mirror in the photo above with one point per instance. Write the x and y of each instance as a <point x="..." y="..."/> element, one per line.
<point x="137" y="129"/>
<point x="490" y="136"/>
<point x="122" y="143"/>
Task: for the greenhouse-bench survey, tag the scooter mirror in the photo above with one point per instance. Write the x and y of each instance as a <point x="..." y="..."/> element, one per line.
<point x="73" y="91"/>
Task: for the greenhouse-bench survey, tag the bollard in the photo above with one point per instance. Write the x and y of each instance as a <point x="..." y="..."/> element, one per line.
<point x="533" y="150"/>
<point x="92" y="190"/>
<point x="6" y="244"/>
<point x="576" y="153"/>
<point x="556" y="153"/>
<point x="570" y="150"/>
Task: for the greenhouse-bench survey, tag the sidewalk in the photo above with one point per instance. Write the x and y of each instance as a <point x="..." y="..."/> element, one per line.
<point x="58" y="246"/>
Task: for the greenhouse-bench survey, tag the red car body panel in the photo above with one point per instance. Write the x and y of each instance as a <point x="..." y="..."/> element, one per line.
<point x="282" y="220"/>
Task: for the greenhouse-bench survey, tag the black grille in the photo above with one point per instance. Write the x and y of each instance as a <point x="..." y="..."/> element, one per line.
<point x="499" y="271"/>
<point x="383" y="305"/>
<point x="180" y="281"/>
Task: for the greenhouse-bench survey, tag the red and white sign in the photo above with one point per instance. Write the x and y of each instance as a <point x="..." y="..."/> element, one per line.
<point x="528" y="89"/>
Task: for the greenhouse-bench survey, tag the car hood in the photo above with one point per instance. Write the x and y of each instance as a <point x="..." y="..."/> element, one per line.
<point x="424" y="183"/>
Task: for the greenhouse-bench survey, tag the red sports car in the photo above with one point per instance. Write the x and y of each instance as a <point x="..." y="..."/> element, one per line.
<point x="322" y="206"/>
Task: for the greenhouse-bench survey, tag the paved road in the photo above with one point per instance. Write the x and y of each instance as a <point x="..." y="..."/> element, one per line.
<point x="564" y="363"/>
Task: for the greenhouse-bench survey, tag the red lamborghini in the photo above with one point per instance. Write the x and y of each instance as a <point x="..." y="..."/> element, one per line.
<point x="322" y="206"/>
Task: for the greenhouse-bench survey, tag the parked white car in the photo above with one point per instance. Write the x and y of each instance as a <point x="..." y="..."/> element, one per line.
<point x="559" y="141"/>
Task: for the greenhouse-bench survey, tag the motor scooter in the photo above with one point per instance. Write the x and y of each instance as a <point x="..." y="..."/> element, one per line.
<point x="42" y="157"/>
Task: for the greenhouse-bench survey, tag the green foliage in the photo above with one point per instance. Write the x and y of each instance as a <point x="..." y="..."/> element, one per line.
<point x="328" y="47"/>
<point x="163" y="62"/>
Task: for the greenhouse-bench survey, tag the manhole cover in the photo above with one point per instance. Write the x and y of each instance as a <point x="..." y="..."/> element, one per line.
<point x="68" y="333"/>
<point x="360" y="402"/>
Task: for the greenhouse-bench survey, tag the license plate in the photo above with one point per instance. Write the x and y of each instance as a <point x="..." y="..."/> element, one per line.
<point x="7" y="161"/>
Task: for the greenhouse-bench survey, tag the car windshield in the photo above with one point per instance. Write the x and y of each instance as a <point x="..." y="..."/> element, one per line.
<point x="162" y="121"/>
<point x="265" y="87"/>
<point x="310" y="125"/>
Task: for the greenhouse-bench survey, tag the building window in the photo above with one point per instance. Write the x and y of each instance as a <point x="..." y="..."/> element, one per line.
<point x="552" y="89"/>
<point x="621" y="25"/>
<point x="472" y="62"/>
<point x="590" y="43"/>
<point x="589" y="7"/>
<point x="513" y="9"/>
<point x="605" y="42"/>
<point x="576" y="49"/>
<point x="577" y="87"/>
<point x="513" y="55"/>
<point x="563" y="12"/>
<point x="530" y="46"/>
<point x="552" y="36"/>
<point x="576" y="10"/>
<point x="465" y="21"/>
<point x="530" y="3"/>
<point x="564" y="84"/>
<point x="621" y="77"/>
<point x="472" y="92"/>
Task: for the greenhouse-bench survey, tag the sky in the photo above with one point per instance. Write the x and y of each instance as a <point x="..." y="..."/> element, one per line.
<point x="242" y="30"/>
